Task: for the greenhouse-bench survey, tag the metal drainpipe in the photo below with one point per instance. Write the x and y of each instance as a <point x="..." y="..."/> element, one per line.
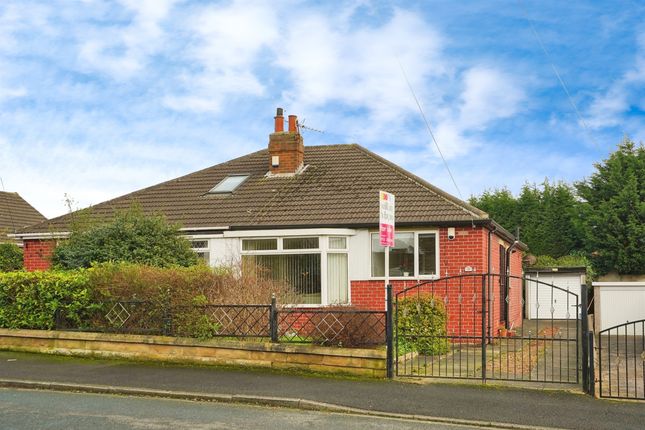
<point x="509" y="251"/>
<point x="490" y="233"/>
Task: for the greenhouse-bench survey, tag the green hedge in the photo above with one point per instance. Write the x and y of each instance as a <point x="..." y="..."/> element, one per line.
<point x="10" y="257"/>
<point x="421" y="325"/>
<point x="30" y="299"/>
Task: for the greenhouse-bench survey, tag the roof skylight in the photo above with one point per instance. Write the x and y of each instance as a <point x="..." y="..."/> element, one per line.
<point x="229" y="184"/>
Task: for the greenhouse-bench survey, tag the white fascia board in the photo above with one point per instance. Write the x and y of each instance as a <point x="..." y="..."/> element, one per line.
<point x="291" y="232"/>
<point x="204" y="228"/>
<point x="202" y="236"/>
<point x="34" y="236"/>
<point x="619" y="284"/>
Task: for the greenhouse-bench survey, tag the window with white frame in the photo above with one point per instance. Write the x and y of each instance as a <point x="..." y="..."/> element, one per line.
<point x="314" y="267"/>
<point x="414" y="254"/>
<point x="201" y="248"/>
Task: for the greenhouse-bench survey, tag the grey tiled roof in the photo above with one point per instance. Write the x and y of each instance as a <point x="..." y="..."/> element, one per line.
<point x="16" y="213"/>
<point x="339" y="187"/>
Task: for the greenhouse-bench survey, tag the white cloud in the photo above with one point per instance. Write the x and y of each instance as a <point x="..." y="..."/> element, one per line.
<point x="95" y="137"/>
<point x="227" y="43"/>
<point x="8" y="92"/>
<point x="122" y="51"/>
<point x="329" y="61"/>
<point x="607" y="109"/>
<point x="488" y="95"/>
<point x="359" y="67"/>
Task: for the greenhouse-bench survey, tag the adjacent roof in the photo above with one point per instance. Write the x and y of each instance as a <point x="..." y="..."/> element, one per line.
<point x="16" y="213"/>
<point x="338" y="187"/>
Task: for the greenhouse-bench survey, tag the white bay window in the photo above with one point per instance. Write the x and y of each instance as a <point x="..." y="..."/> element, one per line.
<point x="315" y="268"/>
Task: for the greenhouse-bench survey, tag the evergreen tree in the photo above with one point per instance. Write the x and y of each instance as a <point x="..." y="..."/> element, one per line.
<point x="547" y="216"/>
<point x="613" y="211"/>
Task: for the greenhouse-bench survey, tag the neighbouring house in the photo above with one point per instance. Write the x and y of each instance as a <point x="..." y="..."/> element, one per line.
<point x="15" y="214"/>
<point x="310" y="214"/>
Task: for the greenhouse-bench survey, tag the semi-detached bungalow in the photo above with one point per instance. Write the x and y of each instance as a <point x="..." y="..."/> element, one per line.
<point x="310" y="215"/>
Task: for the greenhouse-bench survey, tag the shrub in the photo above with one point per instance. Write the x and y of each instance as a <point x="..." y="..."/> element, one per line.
<point x="338" y="326"/>
<point x="10" y="257"/>
<point x="134" y="282"/>
<point x="154" y="299"/>
<point x="421" y="325"/>
<point x="30" y="299"/>
<point x="572" y="260"/>
<point x="130" y="236"/>
<point x="182" y="294"/>
<point x="247" y="283"/>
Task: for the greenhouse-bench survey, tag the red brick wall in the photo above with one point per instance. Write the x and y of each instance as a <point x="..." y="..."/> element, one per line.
<point x="462" y="295"/>
<point x="37" y="254"/>
<point x="289" y="147"/>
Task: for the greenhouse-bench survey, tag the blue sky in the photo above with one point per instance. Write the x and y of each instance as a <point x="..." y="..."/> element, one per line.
<point x="100" y="98"/>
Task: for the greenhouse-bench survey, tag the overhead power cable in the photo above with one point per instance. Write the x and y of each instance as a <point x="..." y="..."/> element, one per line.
<point x="581" y="120"/>
<point x="427" y="123"/>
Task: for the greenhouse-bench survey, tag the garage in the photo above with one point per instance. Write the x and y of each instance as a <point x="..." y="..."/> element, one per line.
<point x="545" y="302"/>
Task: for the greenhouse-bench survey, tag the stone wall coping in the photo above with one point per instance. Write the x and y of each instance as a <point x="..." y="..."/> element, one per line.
<point x="181" y="341"/>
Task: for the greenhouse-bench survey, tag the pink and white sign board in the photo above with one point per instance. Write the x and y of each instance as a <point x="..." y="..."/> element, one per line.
<point x="386" y="218"/>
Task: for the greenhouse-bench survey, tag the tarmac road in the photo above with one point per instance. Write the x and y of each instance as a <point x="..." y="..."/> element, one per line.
<point x="28" y="409"/>
<point x="456" y="402"/>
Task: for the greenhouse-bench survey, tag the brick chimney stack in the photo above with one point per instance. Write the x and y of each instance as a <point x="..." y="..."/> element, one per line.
<point x="286" y="149"/>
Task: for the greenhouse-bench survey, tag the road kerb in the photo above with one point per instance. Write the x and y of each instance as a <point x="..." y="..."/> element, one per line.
<point x="291" y="403"/>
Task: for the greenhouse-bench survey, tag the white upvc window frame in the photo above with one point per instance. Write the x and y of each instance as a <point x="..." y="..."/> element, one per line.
<point x="416" y="274"/>
<point x="323" y="249"/>
<point x="207" y="249"/>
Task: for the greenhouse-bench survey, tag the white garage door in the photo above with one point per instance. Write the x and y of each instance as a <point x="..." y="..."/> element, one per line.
<point x="541" y="299"/>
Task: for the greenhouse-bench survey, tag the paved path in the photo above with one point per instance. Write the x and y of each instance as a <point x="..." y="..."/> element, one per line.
<point x="469" y="402"/>
<point x="50" y="410"/>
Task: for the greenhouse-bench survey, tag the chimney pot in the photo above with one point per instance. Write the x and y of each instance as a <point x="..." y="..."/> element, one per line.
<point x="293" y="121"/>
<point x="279" y="120"/>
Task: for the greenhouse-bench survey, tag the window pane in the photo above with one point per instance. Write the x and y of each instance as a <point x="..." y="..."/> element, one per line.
<point x="427" y="254"/>
<point x="401" y="255"/>
<point x="337" y="243"/>
<point x="300" y="243"/>
<point x="229" y="184"/>
<point x="259" y="244"/>
<point x="197" y="244"/>
<point x="204" y="256"/>
<point x="378" y="257"/>
<point x="337" y="278"/>
<point x="300" y="272"/>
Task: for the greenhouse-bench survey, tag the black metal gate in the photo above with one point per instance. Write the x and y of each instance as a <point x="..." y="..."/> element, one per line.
<point x="621" y="361"/>
<point x="457" y="327"/>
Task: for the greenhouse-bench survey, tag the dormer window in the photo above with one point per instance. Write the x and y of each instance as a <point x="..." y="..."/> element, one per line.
<point x="229" y="184"/>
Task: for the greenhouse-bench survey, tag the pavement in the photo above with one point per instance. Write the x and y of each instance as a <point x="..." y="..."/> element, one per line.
<point x="481" y="405"/>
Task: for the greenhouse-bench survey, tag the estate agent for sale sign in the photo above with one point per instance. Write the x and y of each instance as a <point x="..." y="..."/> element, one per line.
<point x="386" y="218"/>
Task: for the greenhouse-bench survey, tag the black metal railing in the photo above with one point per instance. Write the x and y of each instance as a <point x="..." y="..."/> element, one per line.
<point x="332" y="327"/>
<point x="321" y="326"/>
<point x="465" y="333"/>
<point x="621" y="360"/>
